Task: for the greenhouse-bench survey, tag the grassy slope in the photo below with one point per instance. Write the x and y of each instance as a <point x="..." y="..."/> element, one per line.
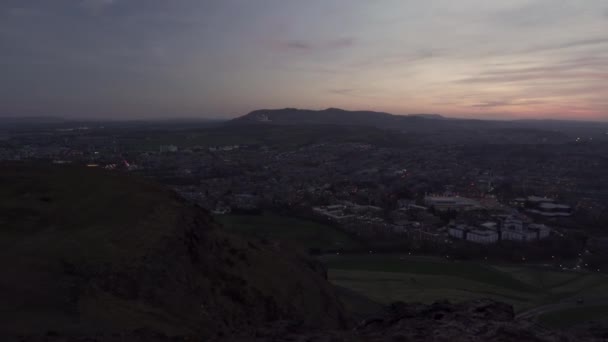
<point x="54" y="216"/>
<point x="84" y="249"/>
<point x="307" y="234"/>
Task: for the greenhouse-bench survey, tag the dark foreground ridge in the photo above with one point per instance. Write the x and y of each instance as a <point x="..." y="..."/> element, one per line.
<point x="86" y="252"/>
<point x="91" y="256"/>
<point x="475" y="321"/>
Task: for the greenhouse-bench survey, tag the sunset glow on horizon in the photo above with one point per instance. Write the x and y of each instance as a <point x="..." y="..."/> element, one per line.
<point x="516" y="59"/>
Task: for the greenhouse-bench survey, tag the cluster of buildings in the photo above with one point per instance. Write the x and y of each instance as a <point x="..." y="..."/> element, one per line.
<point x="366" y="189"/>
<point x="509" y="228"/>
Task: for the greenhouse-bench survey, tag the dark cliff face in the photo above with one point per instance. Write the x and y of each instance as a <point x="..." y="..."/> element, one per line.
<point x="213" y="284"/>
<point x="96" y="252"/>
<point x="475" y="321"/>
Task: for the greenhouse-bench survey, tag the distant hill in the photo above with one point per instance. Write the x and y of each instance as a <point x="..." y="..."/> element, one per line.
<point x="84" y="250"/>
<point x="330" y="116"/>
<point x="429" y="128"/>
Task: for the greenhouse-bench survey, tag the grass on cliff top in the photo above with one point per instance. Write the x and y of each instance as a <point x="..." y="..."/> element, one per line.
<point x="51" y="209"/>
<point x="304" y="233"/>
<point x="57" y="217"/>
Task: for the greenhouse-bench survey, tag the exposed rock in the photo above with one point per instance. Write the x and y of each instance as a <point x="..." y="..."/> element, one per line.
<point x="478" y="320"/>
<point x="474" y="321"/>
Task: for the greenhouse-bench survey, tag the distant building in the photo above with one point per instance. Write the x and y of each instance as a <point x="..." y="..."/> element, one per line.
<point x="515" y="229"/>
<point x="544" y="206"/>
<point x="445" y="203"/>
<point x="511" y="229"/>
<point x="224" y="148"/>
<point x="168" y="148"/>
<point x="480" y="235"/>
<point x="335" y="213"/>
<point x="485" y="236"/>
<point x="541" y="231"/>
<point x="517" y="235"/>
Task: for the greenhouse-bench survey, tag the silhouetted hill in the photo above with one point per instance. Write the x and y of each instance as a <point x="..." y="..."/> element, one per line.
<point x="330" y="116"/>
<point x="426" y="127"/>
<point x="86" y="251"/>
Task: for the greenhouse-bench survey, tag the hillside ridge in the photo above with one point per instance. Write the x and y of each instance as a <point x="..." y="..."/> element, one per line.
<point x="86" y="250"/>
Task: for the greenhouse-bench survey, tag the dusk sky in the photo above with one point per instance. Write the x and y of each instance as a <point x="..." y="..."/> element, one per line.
<point x="492" y="59"/>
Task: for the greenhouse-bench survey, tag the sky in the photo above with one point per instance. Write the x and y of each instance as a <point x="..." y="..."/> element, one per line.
<point x="499" y="59"/>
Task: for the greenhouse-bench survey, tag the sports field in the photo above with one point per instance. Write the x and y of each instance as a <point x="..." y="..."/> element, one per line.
<point x="388" y="278"/>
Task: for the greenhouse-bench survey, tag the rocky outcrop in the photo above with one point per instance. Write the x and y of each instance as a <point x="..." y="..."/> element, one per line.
<point x="474" y="321"/>
<point x="481" y="320"/>
<point x="216" y="284"/>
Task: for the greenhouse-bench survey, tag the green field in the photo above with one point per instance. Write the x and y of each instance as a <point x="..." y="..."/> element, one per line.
<point x="369" y="278"/>
<point x="572" y="316"/>
<point x="388" y="278"/>
<point x="304" y="233"/>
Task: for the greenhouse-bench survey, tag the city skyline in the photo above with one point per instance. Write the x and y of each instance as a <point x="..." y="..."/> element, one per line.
<point x="522" y="59"/>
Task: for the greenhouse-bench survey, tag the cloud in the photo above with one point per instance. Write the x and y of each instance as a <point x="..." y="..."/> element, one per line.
<point x="588" y="76"/>
<point x="390" y="60"/>
<point x="342" y="91"/>
<point x="585" y="68"/>
<point x="340" y="43"/>
<point x="302" y="45"/>
<point x="570" y="44"/>
<point x="535" y="14"/>
<point x="507" y="103"/>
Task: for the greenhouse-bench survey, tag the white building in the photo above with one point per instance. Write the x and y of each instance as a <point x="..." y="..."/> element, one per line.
<point x="515" y="229"/>
<point x="513" y="224"/>
<point x="485" y="237"/>
<point x="517" y="235"/>
<point x="477" y="235"/>
<point x="512" y="229"/>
